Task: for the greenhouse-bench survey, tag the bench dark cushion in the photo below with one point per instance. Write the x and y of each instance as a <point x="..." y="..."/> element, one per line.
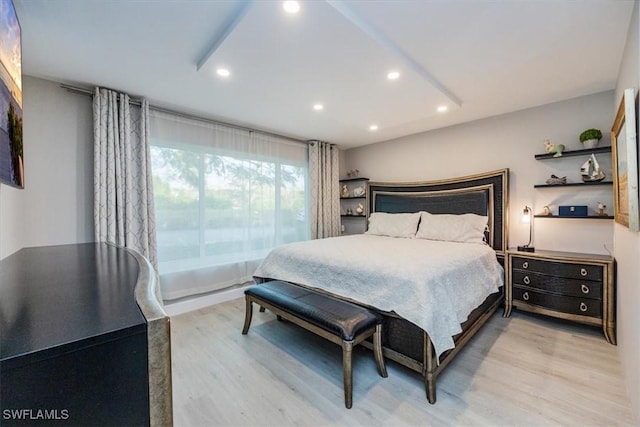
<point x="341" y="318"/>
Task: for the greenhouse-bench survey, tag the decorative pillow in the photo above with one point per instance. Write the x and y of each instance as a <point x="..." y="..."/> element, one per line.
<point x="466" y="228"/>
<point x="393" y="224"/>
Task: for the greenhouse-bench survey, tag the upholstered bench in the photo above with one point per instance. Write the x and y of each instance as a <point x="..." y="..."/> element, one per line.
<point x="338" y="321"/>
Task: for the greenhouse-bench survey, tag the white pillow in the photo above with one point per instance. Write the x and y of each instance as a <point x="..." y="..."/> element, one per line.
<point x="393" y="224"/>
<point x="466" y="228"/>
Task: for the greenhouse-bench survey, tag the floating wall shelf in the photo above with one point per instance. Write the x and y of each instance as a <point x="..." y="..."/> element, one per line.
<point x="573" y="153"/>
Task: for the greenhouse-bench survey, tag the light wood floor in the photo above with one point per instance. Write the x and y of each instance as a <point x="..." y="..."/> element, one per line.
<point x="524" y="371"/>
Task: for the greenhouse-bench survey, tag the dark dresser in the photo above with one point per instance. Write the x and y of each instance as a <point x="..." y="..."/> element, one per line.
<point x="83" y="339"/>
<point x="572" y="286"/>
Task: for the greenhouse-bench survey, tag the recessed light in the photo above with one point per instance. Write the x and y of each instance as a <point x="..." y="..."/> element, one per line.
<point x="393" y="75"/>
<point x="373" y="128"/>
<point x="318" y="107"/>
<point x="442" y="108"/>
<point x="291" y="6"/>
<point x="223" y="72"/>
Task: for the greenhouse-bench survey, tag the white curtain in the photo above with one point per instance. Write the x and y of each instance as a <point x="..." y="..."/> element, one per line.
<point x="325" y="190"/>
<point x="224" y="198"/>
<point x="123" y="185"/>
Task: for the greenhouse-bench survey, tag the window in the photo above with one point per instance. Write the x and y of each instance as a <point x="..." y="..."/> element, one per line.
<point x="224" y="197"/>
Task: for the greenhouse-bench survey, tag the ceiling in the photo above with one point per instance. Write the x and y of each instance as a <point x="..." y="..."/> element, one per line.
<point x="478" y="58"/>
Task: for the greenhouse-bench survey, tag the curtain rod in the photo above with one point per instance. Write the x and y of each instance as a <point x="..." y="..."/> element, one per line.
<point x="136" y="101"/>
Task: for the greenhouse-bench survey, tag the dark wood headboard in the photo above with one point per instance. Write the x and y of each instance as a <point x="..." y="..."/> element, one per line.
<point x="483" y="194"/>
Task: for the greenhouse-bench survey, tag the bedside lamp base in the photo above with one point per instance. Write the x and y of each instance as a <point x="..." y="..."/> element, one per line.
<point x="526" y="248"/>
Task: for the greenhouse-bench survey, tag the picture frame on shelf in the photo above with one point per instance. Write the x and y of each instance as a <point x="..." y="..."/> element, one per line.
<point x="624" y="144"/>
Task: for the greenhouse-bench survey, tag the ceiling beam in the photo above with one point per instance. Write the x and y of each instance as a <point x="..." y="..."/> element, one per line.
<point x="224" y="32"/>
<point x="387" y="43"/>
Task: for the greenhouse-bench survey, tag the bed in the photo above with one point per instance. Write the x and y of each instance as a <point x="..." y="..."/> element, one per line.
<point x="433" y="304"/>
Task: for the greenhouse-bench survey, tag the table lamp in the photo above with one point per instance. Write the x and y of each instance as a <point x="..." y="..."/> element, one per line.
<point x="527" y="216"/>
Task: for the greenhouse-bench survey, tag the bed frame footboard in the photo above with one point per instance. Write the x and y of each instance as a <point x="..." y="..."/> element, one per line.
<point x="410" y="346"/>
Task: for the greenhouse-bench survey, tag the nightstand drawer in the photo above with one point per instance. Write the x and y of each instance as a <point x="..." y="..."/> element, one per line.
<point x="558" y="285"/>
<point x="561" y="269"/>
<point x="564" y="304"/>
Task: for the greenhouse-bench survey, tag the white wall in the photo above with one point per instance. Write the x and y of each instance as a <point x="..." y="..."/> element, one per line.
<point x="627" y="243"/>
<point x="11" y="206"/>
<point x="509" y="140"/>
<point x="56" y="205"/>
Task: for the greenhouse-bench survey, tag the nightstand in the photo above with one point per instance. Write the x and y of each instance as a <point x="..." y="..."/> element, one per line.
<point x="571" y="286"/>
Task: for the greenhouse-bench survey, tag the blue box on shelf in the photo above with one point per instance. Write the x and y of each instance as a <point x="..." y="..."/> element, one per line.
<point x="573" y="211"/>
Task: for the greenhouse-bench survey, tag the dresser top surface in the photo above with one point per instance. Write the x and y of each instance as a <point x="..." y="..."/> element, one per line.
<point x="560" y="255"/>
<point x="65" y="295"/>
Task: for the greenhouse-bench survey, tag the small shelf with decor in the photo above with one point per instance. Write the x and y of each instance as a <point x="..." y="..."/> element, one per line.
<point x="353" y="197"/>
<point x="573" y="153"/>
<point x="575" y="217"/>
<point x="573" y="184"/>
<point x="574" y="190"/>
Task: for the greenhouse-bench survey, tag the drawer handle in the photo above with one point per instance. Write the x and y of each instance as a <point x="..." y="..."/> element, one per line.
<point x="526" y="280"/>
<point x="525" y="296"/>
<point x="583" y="307"/>
<point x="525" y="265"/>
<point x="583" y="272"/>
<point x="584" y="288"/>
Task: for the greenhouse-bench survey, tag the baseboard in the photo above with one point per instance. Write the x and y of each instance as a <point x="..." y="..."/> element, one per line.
<point x="196" y="303"/>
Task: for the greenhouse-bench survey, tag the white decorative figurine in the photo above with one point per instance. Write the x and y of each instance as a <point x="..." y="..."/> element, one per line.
<point x="591" y="171"/>
<point x="358" y="192"/>
<point x="550" y="147"/>
<point x="601" y="209"/>
<point x="360" y="209"/>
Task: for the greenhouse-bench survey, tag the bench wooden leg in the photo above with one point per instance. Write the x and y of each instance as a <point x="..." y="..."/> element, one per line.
<point x="247" y="315"/>
<point x="347" y="372"/>
<point x="377" y="351"/>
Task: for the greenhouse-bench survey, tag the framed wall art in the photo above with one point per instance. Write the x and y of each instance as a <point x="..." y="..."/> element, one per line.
<point x="624" y="145"/>
<point x="11" y="152"/>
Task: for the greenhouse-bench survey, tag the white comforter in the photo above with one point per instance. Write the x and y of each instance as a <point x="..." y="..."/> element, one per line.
<point x="433" y="284"/>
